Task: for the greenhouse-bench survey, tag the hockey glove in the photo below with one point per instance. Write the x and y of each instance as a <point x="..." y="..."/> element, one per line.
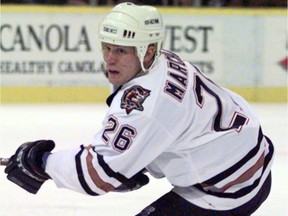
<point x="134" y="183"/>
<point x="26" y="169"/>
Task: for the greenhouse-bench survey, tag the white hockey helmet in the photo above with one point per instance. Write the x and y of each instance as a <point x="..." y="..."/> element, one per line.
<point x="128" y="24"/>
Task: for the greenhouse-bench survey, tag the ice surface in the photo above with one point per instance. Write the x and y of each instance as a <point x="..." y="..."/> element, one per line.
<point x="74" y="124"/>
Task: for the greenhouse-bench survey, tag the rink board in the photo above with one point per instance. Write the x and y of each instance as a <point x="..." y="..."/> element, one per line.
<point x="99" y="94"/>
<point x="240" y="49"/>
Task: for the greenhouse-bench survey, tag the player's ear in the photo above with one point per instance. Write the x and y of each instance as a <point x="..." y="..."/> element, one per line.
<point x="149" y="56"/>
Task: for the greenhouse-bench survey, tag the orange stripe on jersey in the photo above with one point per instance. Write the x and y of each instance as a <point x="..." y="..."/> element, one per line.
<point x="95" y="176"/>
<point x="246" y="175"/>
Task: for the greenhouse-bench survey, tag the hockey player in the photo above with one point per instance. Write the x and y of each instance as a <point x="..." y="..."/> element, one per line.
<point x="165" y="118"/>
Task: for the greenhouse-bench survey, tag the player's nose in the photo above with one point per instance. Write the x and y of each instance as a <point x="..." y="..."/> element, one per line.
<point x="110" y="58"/>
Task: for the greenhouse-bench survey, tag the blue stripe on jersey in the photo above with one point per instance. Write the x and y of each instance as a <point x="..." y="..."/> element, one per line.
<point x="248" y="189"/>
<point x="214" y="180"/>
<point x="109" y="171"/>
<point x="81" y="175"/>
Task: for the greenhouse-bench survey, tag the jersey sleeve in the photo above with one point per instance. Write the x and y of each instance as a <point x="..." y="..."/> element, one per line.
<point x="123" y="147"/>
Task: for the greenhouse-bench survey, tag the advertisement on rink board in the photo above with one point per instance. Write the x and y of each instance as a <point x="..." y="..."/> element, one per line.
<point x="62" y="49"/>
<point x="51" y="49"/>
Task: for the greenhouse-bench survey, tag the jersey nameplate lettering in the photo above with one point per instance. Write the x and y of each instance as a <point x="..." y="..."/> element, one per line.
<point x="177" y="85"/>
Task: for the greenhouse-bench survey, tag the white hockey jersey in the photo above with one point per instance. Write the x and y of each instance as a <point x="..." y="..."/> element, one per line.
<point x="177" y="124"/>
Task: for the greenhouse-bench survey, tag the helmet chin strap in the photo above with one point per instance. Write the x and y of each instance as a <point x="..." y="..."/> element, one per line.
<point x="143" y="67"/>
<point x="141" y="57"/>
<point x="145" y="70"/>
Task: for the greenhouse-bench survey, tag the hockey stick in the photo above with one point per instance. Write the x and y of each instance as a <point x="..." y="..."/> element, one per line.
<point x="4" y="161"/>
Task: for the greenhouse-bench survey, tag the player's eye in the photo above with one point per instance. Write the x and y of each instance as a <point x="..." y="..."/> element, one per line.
<point x="105" y="48"/>
<point x="121" y="51"/>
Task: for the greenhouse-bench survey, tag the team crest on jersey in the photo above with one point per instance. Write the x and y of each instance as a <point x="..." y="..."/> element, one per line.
<point x="133" y="98"/>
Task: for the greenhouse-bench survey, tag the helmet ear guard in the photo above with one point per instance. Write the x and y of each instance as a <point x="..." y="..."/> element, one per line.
<point x="128" y="24"/>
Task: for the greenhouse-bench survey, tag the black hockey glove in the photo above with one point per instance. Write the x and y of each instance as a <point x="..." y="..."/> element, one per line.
<point x="134" y="183"/>
<point x="26" y="169"/>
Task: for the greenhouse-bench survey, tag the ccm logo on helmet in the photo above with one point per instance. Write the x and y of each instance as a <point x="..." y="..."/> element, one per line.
<point x="110" y="30"/>
<point x="151" y="21"/>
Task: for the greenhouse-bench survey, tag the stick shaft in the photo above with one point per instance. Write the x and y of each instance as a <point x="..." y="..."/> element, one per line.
<point x="4" y="161"/>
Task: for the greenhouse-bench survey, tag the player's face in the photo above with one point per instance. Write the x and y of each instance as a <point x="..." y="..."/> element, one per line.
<point x="122" y="63"/>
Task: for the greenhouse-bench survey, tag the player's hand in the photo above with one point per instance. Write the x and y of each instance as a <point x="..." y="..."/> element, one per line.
<point x="26" y="169"/>
<point x="135" y="182"/>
